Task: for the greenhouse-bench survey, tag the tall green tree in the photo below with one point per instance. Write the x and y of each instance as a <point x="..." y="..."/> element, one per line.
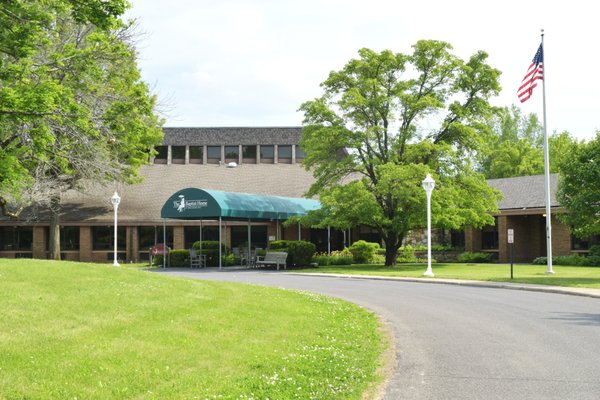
<point x="73" y="107"/>
<point x="382" y="123"/>
<point x="514" y="145"/>
<point x="578" y="189"/>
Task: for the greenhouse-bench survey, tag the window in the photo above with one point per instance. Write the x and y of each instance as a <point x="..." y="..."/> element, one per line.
<point x="457" y="239"/>
<point x="267" y="153"/>
<point x="258" y="236"/>
<point x="178" y="154"/>
<point x="232" y="153"/>
<point x="249" y="152"/>
<point x="191" y="235"/>
<point x="161" y="154"/>
<point x="196" y="153"/>
<point x="489" y="236"/>
<point x="13" y="238"/>
<point x="102" y="238"/>
<point x="284" y="154"/>
<point x="150" y="235"/>
<point x="210" y="233"/>
<point x="300" y="154"/>
<point x="213" y="154"/>
<point x="69" y="238"/>
<point x="584" y="243"/>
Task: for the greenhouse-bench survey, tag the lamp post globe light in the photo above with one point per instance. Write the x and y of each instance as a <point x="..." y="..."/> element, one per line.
<point x="115" y="200"/>
<point x="428" y="184"/>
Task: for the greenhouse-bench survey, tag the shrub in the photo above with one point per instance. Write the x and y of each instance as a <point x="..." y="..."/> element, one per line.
<point x="592" y="261"/>
<point x="541" y="260"/>
<point x="572" y="260"/>
<point x="469" y="257"/>
<point x="176" y="258"/>
<point x="406" y="254"/>
<point x="180" y="258"/>
<point x="280" y="245"/>
<point x="211" y="249"/>
<point x="363" y="252"/>
<point x="300" y="252"/>
<point x="341" y="257"/>
<point x="594" y="251"/>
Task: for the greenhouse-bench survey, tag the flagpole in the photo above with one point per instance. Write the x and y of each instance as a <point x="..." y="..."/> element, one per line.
<point x="547" y="173"/>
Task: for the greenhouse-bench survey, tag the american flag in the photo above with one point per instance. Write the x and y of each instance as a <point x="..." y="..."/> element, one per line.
<point x="535" y="72"/>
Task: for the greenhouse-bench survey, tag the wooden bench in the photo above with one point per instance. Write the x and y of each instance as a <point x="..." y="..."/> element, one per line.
<point x="272" y="258"/>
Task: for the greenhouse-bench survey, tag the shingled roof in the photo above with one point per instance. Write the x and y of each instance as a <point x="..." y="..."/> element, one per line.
<point x="141" y="203"/>
<point x="232" y="136"/>
<point x="525" y="192"/>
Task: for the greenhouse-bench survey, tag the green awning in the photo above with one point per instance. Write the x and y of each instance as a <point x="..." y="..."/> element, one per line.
<point x="193" y="203"/>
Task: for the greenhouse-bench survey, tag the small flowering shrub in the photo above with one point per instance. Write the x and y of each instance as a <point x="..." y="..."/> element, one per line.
<point x="342" y="257"/>
<point x="363" y="252"/>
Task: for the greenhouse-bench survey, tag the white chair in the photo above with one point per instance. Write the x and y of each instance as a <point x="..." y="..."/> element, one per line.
<point x="197" y="260"/>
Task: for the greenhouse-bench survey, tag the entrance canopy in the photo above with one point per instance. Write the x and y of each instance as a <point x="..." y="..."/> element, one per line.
<point x="193" y="203"/>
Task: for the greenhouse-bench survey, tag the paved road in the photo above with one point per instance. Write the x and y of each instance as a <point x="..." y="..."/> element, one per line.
<point x="459" y="342"/>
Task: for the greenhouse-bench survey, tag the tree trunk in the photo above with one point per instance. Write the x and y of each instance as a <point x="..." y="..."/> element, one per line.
<point x="54" y="240"/>
<point x="392" y="244"/>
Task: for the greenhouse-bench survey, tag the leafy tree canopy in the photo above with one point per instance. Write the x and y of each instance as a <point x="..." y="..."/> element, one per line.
<point x="72" y="103"/>
<point x="383" y="122"/>
<point x="578" y="189"/>
<point x="73" y="107"/>
<point x="514" y="145"/>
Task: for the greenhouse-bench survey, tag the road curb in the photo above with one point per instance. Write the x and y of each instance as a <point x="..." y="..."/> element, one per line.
<point x="584" y="292"/>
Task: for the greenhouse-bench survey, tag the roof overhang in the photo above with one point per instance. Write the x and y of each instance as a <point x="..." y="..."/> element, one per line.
<point x="193" y="203"/>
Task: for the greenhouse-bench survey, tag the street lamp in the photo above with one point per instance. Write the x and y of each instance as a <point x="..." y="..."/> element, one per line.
<point x="428" y="184"/>
<point x="115" y="200"/>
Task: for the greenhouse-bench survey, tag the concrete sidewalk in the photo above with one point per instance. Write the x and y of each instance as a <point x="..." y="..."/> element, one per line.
<point x="586" y="292"/>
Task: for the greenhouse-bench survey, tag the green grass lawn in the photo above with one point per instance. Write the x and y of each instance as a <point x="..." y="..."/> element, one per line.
<point x="88" y="331"/>
<point x="523" y="273"/>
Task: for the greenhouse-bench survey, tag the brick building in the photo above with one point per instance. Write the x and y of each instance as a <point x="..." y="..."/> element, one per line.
<point x="263" y="161"/>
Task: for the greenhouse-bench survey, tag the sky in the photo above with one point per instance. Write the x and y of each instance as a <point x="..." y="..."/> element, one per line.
<point x="224" y="63"/>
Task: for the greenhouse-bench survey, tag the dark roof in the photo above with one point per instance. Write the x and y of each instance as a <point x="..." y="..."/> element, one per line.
<point x="232" y="136"/>
<point x="525" y="192"/>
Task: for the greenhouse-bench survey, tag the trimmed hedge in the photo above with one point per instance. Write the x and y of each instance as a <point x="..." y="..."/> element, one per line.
<point x="363" y="252"/>
<point x="572" y="260"/>
<point x="211" y="249"/>
<point x="469" y="257"/>
<point x="300" y="252"/>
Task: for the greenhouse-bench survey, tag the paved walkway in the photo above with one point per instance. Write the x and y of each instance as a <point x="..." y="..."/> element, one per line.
<point x="587" y="292"/>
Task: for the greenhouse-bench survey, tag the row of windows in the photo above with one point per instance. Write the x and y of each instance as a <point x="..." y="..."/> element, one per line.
<point x="21" y="238"/>
<point x="249" y="152"/>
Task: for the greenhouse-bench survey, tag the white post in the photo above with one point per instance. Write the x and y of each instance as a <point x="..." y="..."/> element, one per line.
<point x="428" y="184"/>
<point x="547" y="173"/>
<point x="220" y="263"/>
<point x="115" y="200"/>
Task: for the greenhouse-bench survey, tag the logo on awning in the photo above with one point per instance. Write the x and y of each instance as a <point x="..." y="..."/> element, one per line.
<point x="182" y="204"/>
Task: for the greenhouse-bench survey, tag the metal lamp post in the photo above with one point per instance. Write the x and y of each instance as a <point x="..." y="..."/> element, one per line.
<point x="115" y="200"/>
<point x="428" y="184"/>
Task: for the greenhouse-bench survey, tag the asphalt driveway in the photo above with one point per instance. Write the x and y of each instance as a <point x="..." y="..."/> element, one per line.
<point x="463" y="342"/>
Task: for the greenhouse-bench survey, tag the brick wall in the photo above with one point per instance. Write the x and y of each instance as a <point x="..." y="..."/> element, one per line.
<point x="85" y="243"/>
<point x="38" y="249"/>
<point x="179" y="238"/>
<point x="561" y="238"/>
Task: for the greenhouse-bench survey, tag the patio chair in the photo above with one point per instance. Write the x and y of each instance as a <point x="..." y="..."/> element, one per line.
<point x="197" y="260"/>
